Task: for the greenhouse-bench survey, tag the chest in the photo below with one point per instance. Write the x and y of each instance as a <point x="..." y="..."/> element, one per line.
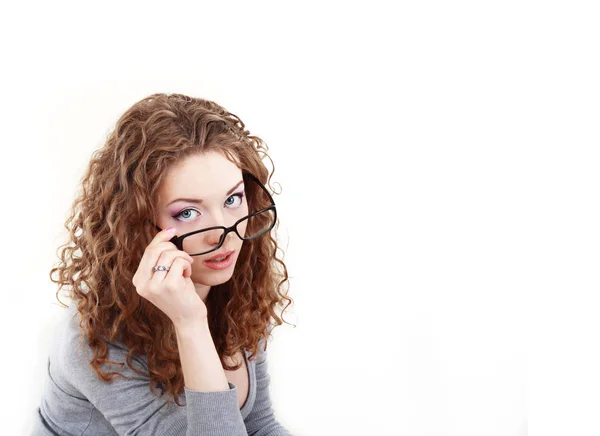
<point x="240" y="378"/>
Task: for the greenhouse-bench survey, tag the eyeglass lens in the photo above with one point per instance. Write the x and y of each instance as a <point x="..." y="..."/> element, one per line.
<point x="249" y="228"/>
<point x="253" y="226"/>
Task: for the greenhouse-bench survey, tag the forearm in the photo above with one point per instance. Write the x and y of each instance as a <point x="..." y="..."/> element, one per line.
<point x="200" y="362"/>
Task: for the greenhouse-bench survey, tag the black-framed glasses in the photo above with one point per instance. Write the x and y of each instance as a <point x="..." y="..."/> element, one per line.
<point x="261" y="220"/>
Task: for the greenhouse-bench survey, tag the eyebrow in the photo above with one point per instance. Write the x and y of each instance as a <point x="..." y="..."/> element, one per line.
<point x="199" y="201"/>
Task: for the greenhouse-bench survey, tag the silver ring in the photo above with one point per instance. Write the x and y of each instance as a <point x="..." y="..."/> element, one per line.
<point x="160" y="268"/>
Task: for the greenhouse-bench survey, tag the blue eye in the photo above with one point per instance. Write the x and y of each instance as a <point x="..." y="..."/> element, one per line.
<point x="180" y="214"/>
<point x="184" y="215"/>
<point x="239" y="195"/>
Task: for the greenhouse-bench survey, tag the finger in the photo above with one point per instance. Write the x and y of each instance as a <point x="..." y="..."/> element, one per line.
<point x="167" y="258"/>
<point x="166" y="254"/>
<point x="150" y="258"/>
<point x="163" y="236"/>
<point x="159" y="244"/>
<point x="179" y="268"/>
<point x="187" y="272"/>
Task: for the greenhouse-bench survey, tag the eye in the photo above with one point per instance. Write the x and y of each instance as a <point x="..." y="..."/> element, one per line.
<point x="239" y="195"/>
<point x="185" y="213"/>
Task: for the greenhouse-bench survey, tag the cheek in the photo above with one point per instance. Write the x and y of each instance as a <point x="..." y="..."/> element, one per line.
<point x="242" y="229"/>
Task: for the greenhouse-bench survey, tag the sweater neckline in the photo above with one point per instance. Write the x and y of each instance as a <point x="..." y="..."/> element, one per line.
<point x="245" y="410"/>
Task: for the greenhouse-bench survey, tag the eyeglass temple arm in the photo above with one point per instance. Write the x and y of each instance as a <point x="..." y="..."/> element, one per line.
<point x="252" y="176"/>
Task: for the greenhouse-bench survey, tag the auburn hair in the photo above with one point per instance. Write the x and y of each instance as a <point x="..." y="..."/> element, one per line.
<point x="109" y="230"/>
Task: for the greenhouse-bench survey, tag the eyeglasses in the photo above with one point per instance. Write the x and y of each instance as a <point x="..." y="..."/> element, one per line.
<point x="247" y="228"/>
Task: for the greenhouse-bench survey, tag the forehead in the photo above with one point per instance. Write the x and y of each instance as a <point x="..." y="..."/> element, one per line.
<point x="204" y="176"/>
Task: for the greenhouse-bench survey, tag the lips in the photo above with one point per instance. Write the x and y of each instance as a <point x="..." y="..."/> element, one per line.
<point x="221" y="255"/>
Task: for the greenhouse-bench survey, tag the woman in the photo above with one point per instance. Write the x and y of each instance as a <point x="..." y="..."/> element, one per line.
<point x="173" y="272"/>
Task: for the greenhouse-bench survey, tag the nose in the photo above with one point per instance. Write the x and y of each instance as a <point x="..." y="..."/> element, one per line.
<point x="214" y="237"/>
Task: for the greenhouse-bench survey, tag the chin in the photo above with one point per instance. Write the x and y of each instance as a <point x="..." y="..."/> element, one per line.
<point x="213" y="278"/>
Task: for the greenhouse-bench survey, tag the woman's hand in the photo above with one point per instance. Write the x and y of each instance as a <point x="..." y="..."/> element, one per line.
<point x="171" y="291"/>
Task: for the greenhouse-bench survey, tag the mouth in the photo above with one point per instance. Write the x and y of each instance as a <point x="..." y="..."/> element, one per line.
<point x="220" y="261"/>
<point x="221" y="256"/>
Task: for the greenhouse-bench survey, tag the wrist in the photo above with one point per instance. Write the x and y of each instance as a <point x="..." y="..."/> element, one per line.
<point x="194" y="327"/>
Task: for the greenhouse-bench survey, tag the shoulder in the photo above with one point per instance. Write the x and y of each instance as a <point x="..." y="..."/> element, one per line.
<point x="66" y="339"/>
<point x="261" y="354"/>
<point x="72" y="354"/>
<point x="66" y="357"/>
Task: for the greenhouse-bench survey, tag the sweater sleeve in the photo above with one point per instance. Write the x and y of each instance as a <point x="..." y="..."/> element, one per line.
<point x="261" y="420"/>
<point x="132" y="409"/>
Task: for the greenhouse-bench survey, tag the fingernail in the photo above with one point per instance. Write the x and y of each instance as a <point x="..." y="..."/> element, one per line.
<point x="171" y="229"/>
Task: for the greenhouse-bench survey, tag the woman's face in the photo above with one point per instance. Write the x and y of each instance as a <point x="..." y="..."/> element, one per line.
<point x="199" y="192"/>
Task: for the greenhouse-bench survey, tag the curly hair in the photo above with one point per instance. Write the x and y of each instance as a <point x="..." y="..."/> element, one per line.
<point x="109" y="230"/>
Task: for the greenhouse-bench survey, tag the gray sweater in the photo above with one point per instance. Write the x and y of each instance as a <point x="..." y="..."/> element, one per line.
<point x="76" y="402"/>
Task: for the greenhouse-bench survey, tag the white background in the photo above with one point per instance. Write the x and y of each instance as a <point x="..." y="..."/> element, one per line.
<point x="439" y="207"/>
